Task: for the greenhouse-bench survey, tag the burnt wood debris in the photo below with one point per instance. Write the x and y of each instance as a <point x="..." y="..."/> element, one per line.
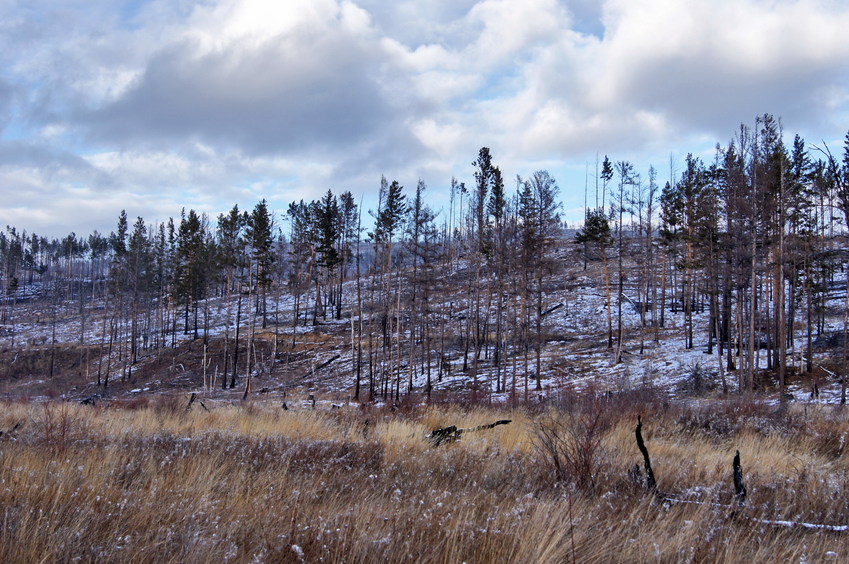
<point x="651" y="485"/>
<point x="453" y="433"/>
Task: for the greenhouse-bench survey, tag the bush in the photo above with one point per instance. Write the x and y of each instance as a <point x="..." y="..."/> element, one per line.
<point x="570" y="441"/>
<point x="697" y="380"/>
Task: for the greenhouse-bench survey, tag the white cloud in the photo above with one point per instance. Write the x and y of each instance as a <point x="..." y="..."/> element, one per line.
<point x="697" y="61"/>
<point x="250" y="24"/>
<point x="510" y="28"/>
<point x="213" y="102"/>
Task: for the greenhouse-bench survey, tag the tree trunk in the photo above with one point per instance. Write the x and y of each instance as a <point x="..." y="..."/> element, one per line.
<point x="236" y="341"/>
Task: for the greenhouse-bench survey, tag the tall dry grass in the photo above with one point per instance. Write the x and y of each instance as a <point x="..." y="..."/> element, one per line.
<point x="253" y="483"/>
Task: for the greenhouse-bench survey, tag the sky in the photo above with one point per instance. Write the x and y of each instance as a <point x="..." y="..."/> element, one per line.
<point x="154" y="106"/>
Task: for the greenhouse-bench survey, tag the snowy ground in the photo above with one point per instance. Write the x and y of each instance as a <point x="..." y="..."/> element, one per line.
<point x="576" y="356"/>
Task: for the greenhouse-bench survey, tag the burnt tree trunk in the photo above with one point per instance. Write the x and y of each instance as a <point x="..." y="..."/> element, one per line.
<point x="739" y="487"/>
<point x="651" y="484"/>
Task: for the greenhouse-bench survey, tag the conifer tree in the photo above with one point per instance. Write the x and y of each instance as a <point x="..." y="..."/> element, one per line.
<point x="259" y="237"/>
<point x="190" y="268"/>
<point x="329" y="257"/>
<point x="140" y="272"/>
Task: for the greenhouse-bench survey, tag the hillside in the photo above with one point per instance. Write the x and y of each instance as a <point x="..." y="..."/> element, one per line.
<point x="317" y="358"/>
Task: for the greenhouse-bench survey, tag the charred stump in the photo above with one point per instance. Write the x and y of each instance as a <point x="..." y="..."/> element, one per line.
<point x="739" y="486"/>
<point x="651" y="484"/>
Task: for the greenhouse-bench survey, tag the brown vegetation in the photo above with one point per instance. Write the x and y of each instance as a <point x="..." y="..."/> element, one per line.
<point x="154" y="481"/>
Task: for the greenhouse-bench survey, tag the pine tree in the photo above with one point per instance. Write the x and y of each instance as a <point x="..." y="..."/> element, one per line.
<point x="190" y="267"/>
<point x="348" y="231"/>
<point x="618" y="209"/>
<point x="300" y="254"/>
<point x="606" y="177"/>
<point x="259" y="237"/>
<point x="329" y="256"/>
<point x="545" y="192"/>
<point x="419" y="231"/>
<point x="140" y="272"/>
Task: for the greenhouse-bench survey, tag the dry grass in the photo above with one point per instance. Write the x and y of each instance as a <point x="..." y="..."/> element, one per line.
<point x="253" y="483"/>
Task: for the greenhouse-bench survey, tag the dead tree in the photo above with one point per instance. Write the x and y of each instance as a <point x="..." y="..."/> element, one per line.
<point x="739" y="486"/>
<point x="651" y="484"/>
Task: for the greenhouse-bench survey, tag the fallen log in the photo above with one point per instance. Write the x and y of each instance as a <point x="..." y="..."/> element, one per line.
<point x="739" y="495"/>
<point x="324" y="364"/>
<point x="453" y="433"/>
<point x="552" y="309"/>
<point x="802" y="524"/>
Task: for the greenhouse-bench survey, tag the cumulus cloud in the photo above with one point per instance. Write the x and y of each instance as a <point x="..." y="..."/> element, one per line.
<point x="263" y="82"/>
<point x="715" y="63"/>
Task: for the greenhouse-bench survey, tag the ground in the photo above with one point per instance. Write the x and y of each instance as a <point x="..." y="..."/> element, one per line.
<point x="316" y="360"/>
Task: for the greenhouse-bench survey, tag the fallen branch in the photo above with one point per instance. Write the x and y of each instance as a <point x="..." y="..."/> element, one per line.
<point x="453" y="433"/>
<point x="773" y="522"/>
<point x="824" y="369"/>
<point x="552" y="309"/>
<point x="630" y="301"/>
<point x="802" y="524"/>
<point x="740" y="496"/>
<point x="322" y="365"/>
<point x="193" y="399"/>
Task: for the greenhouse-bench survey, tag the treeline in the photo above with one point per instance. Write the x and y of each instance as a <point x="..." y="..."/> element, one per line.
<point x="139" y="287"/>
<point x="146" y="287"/>
<point x="751" y="238"/>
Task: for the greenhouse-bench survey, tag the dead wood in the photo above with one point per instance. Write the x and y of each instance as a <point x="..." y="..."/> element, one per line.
<point x="739" y="487"/>
<point x="651" y="484"/>
<point x="453" y="433"/>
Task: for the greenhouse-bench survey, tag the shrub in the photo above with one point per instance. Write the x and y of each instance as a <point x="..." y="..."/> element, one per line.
<point x="570" y="440"/>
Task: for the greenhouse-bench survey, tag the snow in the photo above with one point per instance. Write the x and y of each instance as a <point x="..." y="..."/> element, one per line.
<point x="802" y="524"/>
<point x="576" y="357"/>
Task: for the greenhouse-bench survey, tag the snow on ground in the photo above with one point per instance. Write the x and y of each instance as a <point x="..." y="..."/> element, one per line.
<point x="576" y="356"/>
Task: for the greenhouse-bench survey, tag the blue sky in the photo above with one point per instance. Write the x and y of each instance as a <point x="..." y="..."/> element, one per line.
<point x="152" y="106"/>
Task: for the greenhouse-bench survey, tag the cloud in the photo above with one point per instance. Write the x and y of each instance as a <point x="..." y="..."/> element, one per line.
<point x="665" y="75"/>
<point x="53" y="201"/>
<point x="510" y="29"/>
<point x="6" y="98"/>
<point x="310" y="82"/>
<point x="418" y="23"/>
<point x="37" y="155"/>
<point x="705" y="66"/>
<point x="209" y="103"/>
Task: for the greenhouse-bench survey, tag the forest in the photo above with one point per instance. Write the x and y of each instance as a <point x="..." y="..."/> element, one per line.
<point x="746" y="252"/>
<point x="480" y="383"/>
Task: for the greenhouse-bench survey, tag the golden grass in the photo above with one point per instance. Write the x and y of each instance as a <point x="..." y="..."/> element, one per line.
<point x="253" y="483"/>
